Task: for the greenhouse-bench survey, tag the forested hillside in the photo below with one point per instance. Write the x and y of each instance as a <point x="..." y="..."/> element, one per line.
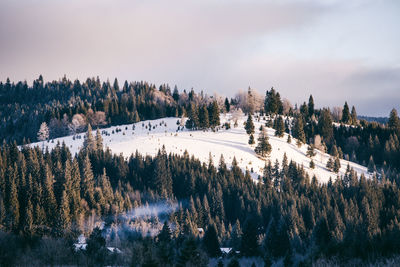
<point x="50" y="197"/>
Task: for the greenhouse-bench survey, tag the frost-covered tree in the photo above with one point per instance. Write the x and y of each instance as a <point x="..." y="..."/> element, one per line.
<point x="43" y="133"/>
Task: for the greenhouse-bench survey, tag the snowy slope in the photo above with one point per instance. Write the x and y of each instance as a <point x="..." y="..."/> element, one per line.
<point x="230" y="143"/>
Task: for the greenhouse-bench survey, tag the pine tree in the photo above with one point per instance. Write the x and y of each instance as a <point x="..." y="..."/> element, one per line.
<point x="310" y="106"/>
<point x="310" y="151"/>
<point x="346" y="117"/>
<point x="312" y="164"/>
<point x="162" y="179"/>
<point x="251" y="139"/>
<point x="236" y="236"/>
<point x="63" y="218"/>
<point x="193" y="121"/>
<point x="50" y="204"/>
<point x="325" y="126"/>
<point x="280" y="127"/>
<point x="165" y="233"/>
<point x="28" y="219"/>
<point x="89" y="144"/>
<point x="336" y="165"/>
<point x="99" y="140"/>
<point x="214" y="114"/>
<point x="87" y="187"/>
<point x="289" y="139"/>
<point x="267" y="175"/>
<point x="272" y="102"/>
<point x="329" y="164"/>
<point x="211" y="243"/>
<point x="175" y="94"/>
<point x="190" y="255"/>
<point x="354" y="119"/>
<point x="227" y="105"/>
<point x="204" y="118"/>
<point x="165" y="250"/>
<point x="14" y="206"/>
<point x="249" y="244"/>
<point x="2" y="212"/>
<point x="394" y="121"/>
<point x="371" y="165"/>
<point x="299" y="131"/>
<point x="263" y="147"/>
<point x="249" y="126"/>
<point x="136" y="117"/>
<point x="96" y="248"/>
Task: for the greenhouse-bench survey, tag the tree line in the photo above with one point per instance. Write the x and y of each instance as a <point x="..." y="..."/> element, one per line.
<point x="50" y="194"/>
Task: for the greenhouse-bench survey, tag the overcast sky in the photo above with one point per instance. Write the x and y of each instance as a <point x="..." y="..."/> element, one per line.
<point x="334" y="50"/>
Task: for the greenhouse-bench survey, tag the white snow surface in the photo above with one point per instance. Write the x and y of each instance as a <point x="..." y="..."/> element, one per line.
<point x="229" y="143"/>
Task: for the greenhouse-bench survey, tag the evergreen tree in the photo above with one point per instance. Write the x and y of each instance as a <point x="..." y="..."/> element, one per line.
<point x="280" y="127"/>
<point x="249" y="126"/>
<point x="63" y="218"/>
<point x="162" y="180"/>
<point x="28" y="219"/>
<point x="371" y="165"/>
<point x="193" y="120"/>
<point x="336" y="165"/>
<point x="50" y="204"/>
<point x="263" y="147"/>
<point x="96" y="248"/>
<point x="165" y="233"/>
<point x="89" y="143"/>
<point x="99" y="140"/>
<point x="236" y="235"/>
<point x="289" y="139"/>
<point x="251" y="139"/>
<point x="14" y="206"/>
<point x="190" y="255"/>
<point x="175" y="94"/>
<point x="214" y="114"/>
<point x="249" y="244"/>
<point x="87" y="186"/>
<point x="312" y="164"/>
<point x="354" y="119"/>
<point x="165" y="251"/>
<point x="299" y="131"/>
<point x="203" y="118"/>
<point x="394" y="121"/>
<point x="310" y="106"/>
<point x="310" y="151"/>
<point x="325" y="126"/>
<point x="329" y="164"/>
<point x="272" y="102"/>
<point x="227" y="105"/>
<point x="211" y="243"/>
<point x="346" y="117"/>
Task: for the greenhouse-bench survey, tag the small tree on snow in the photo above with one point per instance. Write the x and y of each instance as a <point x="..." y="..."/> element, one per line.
<point x="43" y="133"/>
<point x="310" y="151"/>
<point x="263" y="147"/>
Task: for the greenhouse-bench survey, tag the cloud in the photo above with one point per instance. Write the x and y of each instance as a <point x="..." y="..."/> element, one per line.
<point x="300" y="47"/>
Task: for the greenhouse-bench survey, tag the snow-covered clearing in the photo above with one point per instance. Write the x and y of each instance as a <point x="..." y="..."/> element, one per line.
<point x="229" y="143"/>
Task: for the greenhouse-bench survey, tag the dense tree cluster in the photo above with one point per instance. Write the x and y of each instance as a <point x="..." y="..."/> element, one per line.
<point x="47" y="197"/>
<point x="51" y="193"/>
<point x="67" y="107"/>
<point x="203" y="116"/>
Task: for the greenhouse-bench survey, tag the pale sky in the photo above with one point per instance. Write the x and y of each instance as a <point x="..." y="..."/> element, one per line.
<point x="334" y="50"/>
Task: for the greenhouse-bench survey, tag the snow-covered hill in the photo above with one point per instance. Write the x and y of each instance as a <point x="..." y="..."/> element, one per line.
<point x="126" y="139"/>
